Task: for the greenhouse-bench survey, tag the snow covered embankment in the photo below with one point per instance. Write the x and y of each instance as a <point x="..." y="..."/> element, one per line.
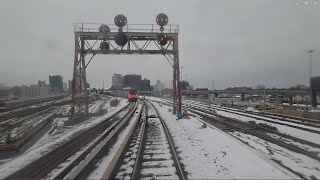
<point x="211" y="154"/>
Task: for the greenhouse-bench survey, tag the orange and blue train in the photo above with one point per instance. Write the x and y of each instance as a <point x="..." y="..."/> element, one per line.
<point x="133" y="95"/>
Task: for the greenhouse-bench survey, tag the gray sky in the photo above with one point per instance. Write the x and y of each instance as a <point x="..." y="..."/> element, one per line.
<point x="234" y="42"/>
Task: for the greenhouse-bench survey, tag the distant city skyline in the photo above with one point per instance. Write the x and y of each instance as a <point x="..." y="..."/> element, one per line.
<point x="152" y="82"/>
<point x="234" y="43"/>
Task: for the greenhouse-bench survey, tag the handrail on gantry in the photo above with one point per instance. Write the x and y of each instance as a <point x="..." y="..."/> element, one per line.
<point x="154" y="28"/>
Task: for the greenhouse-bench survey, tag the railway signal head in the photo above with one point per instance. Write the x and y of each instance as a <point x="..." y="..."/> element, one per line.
<point x="121" y="39"/>
<point x="162" y="39"/>
<point x="120" y="20"/>
<point x="104" y="28"/>
<point x="162" y="19"/>
<point x="104" y="46"/>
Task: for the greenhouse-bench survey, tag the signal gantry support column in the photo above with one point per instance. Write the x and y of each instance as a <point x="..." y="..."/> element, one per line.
<point x="177" y="76"/>
<point x="80" y="97"/>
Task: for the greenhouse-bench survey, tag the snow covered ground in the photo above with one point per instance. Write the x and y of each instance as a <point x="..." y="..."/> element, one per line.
<point x="309" y="136"/>
<point x="49" y="142"/>
<point x="302" y="134"/>
<point x="37" y="105"/>
<point x="299" y="105"/>
<point x="307" y="167"/>
<point x="210" y="154"/>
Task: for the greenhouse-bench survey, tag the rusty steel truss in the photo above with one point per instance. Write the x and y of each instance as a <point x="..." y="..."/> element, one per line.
<point x="142" y="40"/>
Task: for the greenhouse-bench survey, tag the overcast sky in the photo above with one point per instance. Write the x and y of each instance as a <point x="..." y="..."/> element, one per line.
<point x="234" y="42"/>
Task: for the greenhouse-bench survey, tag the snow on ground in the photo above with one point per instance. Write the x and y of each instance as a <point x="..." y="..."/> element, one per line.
<point x="302" y="164"/>
<point x="54" y="172"/>
<point x="299" y="105"/>
<point x="106" y="105"/>
<point x="315" y="110"/>
<point x="211" y="154"/>
<point x="36" y="105"/>
<point x="94" y="106"/>
<point x="48" y="142"/>
<point x="252" y="109"/>
<point x="309" y="136"/>
<point x="290" y="141"/>
<point x="105" y="161"/>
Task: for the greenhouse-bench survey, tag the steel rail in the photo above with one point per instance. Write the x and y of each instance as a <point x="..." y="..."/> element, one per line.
<point x="268" y="138"/>
<point x="262" y="118"/>
<point x="266" y="129"/>
<point x="234" y="125"/>
<point x="137" y="163"/>
<point x="180" y="171"/>
<point x="79" y="171"/>
<point x="44" y="164"/>
<point x="312" y="122"/>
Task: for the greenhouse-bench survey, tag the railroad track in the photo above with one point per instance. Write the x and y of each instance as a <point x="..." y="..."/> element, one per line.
<point x="30" y="110"/>
<point x="151" y="152"/>
<point x="27" y="124"/>
<point x="230" y="124"/>
<point x="305" y="127"/>
<point x="40" y="167"/>
<point x="20" y="126"/>
<point x="315" y="128"/>
<point x="265" y="116"/>
<point x="97" y="106"/>
<point x="85" y="166"/>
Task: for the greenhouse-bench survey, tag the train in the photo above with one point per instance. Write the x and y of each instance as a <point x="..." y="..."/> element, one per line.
<point x="133" y="95"/>
<point x="114" y="102"/>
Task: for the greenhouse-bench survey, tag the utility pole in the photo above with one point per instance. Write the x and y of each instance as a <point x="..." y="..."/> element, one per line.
<point x="103" y="85"/>
<point x="213" y="85"/>
<point x="181" y="73"/>
<point x="264" y="98"/>
<point x="310" y="53"/>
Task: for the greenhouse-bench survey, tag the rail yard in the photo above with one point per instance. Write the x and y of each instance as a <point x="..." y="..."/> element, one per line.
<point x="144" y="140"/>
<point x="195" y="89"/>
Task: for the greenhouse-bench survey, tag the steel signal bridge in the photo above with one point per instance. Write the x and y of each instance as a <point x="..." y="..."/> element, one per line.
<point x="121" y="38"/>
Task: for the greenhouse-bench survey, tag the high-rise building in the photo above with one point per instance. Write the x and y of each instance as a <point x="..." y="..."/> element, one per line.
<point x="34" y="91"/>
<point x="159" y="86"/>
<point x="132" y="81"/>
<point x="65" y="87"/>
<point x="184" y="85"/>
<point x="145" y="85"/>
<point x="56" y="84"/>
<point x="117" y="81"/>
<point x="42" y="83"/>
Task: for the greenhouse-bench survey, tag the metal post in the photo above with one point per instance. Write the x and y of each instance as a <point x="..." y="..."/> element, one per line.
<point x="84" y="76"/>
<point x="178" y="73"/>
<point x="310" y="52"/>
<point x="264" y="98"/>
<point x="75" y="65"/>
<point x="213" y="85"/>
<point x="174" y="95"/>
<point x="181" y="77"/>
